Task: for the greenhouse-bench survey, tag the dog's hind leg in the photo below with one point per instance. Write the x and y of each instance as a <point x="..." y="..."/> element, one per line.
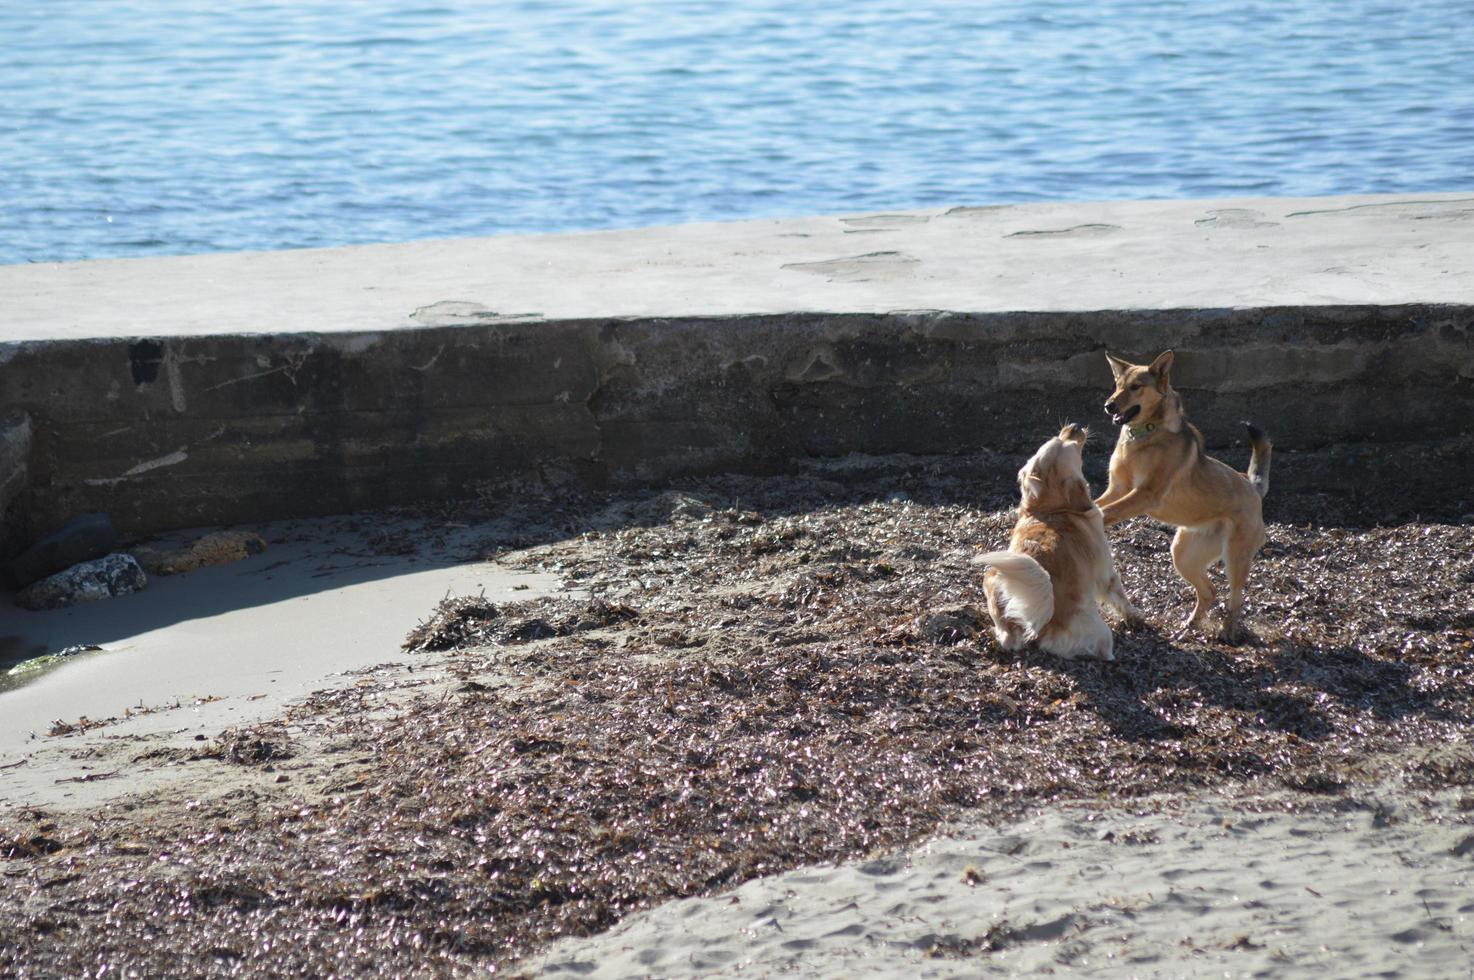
<point x="1238" y="554"/>
<point x="1009" y="634"/>
<point x="1194" y="550"/>
<point x="1114" y="596"/>
<point x="1098" y="638"/>
<point x="1088" y="637"/>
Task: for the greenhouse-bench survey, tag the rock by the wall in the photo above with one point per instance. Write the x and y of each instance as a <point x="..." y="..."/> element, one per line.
<point x="215" y="548"/>
<point x="78" y="540"/>
<point x="112" y="575"/>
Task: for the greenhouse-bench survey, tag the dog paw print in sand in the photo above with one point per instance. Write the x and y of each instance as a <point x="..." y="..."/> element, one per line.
<point x="1235" y="218"/>
<point x="870" y="267"/>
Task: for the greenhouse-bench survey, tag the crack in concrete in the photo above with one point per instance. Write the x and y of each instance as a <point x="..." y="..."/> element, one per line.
<point x="431" y="362"/>
<point x="172" y="459"/>
<point x="1074" y="231"/>
<point x="884" y="222"/>
<point x="859" y="268"/>
<point x="247" y="377"/>
<point x="1394" y="206"/>
<point x="453" y="312"/>
<point x="1235" y="218"/>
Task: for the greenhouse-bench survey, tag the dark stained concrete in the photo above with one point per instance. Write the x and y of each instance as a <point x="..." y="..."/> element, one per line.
<point x="165" y="423"/>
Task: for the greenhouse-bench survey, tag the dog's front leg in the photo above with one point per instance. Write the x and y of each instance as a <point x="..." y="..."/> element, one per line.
<point x="1118" y="481"/>
<point x="1113" y="492"/>
<point x="1133" y="504"/>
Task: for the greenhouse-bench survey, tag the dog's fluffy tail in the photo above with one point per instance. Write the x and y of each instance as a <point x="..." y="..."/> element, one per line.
<point x="1029" y="591"/>
<point x="1259" y="462"/>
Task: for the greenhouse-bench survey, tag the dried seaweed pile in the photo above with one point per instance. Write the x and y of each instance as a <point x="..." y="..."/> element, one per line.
<point x="757" y="683"/>
<point x="458" y="621"/>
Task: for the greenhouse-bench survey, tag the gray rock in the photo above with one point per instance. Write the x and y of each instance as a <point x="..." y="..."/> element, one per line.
<point x="115" y="574"/>
<point x="80" y="539"/>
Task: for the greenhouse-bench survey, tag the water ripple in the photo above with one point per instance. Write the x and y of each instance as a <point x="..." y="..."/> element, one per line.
<point x="143" y="127"/>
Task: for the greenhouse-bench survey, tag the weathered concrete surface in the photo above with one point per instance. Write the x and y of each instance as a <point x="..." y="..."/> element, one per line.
<point x="15" y="454"/>
<point x="1047" y="257"/>
<point x="15" y="475"/>
<point x="228" y="389"/>
<point x="82" y="538"/>
<point x="1383" y="250"/>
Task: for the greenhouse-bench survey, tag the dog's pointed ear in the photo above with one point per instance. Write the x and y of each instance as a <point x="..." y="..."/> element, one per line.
<point x="1118" y="366"/>
<point x="1162" y="366"/>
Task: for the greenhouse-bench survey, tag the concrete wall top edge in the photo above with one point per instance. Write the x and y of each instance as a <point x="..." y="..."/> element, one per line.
<point x="1073" y="257"/>
<point x="357" y="341"/>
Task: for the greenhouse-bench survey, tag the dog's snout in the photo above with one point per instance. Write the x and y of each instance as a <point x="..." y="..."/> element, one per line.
<point x="1110" y="406"/>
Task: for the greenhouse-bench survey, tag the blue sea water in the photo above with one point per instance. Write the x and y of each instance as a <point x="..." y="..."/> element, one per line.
<point x="140" y="127"/>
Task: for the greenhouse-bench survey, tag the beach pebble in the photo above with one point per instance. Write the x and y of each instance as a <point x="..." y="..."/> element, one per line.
<point x="80" y="539"/>
<point x="102" y="578"/>
<point x="215" y="548"/>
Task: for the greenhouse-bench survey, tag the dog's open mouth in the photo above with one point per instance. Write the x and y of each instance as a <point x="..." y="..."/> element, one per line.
<point x="1125" y="417"/>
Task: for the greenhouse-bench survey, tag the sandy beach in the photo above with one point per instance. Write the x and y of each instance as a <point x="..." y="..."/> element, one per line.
<point x="224" y="646"/>
<point x="1226" y="885"/>
<point x="758" y="727"/>
<point x="498" y="490"/>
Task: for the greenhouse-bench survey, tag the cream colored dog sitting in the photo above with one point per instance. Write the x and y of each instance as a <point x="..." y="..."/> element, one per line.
<point x="1049" y="585"/>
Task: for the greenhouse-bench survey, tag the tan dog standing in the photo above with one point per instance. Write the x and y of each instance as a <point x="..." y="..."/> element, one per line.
<point x="1159" y="468"/>
<point x="1049" y="585"/>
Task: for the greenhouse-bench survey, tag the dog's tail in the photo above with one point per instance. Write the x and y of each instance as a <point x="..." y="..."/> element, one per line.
<point x="1029" y="591"/>
<point x="1259" y="462"/>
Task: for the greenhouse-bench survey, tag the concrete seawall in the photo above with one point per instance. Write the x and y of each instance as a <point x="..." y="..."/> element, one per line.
<point x="216" y="389"/>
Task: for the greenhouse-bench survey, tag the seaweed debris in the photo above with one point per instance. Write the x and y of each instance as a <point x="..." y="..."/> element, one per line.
<point x="253" y="746"/>
<point x="463" y="622"/>
<point x="456" y="621"/>
<point x="772" y="674"/>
